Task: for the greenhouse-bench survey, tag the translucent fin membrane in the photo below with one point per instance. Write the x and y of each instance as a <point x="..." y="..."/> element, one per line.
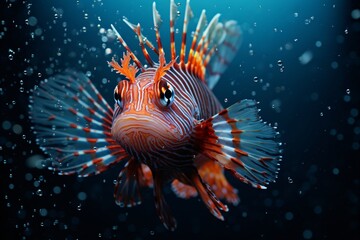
<point x="127" y="189"/>
<point x="222" y="54"/>
<point x="72" y="123"/>
<point x="242" y="143"/>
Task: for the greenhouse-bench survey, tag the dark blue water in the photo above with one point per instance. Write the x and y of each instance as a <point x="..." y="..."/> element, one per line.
<point x="300" y="59"/>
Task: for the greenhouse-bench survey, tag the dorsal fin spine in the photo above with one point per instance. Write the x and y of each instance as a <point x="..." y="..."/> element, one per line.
<point x="184" y="33"/>
<point x="207" y="37"/>
<point x="217" y="38"/>
<point x="157" y="22"/>
<point x="173" y="14"/>
<point x="145" y="52"/>
<point x="199" y="26"/>
<point x="142" y="40"/>
<point x="132" y="55"/>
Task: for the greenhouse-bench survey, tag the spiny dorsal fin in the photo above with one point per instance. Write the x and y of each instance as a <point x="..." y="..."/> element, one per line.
<point x="157" y="24"/>
<point x="173" y="16"/>
<point x="132" y="55"/>
<point x="188" y="15"/>
<point x="212" y="47"/>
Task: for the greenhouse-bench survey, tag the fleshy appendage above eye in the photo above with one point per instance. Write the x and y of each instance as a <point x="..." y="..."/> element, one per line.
<point x="166" y="93"/>
<point x="117" y="97"/>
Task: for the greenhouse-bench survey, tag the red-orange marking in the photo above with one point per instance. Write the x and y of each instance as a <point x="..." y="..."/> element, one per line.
<point x="97" y="161"/>
<point x="88" y="119"/>
<point x="73" y="111"/>
<point x="91" y="140"/>
<point x="238" y="162"/>
<point x="90" y="151"/>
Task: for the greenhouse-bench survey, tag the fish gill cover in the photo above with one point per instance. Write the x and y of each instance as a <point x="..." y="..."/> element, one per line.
<point x="299" y="59"/>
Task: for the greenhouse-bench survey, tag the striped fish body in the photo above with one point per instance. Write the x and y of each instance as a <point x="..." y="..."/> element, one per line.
<point x="161" y="136"/>
<point x="166" y="125"/>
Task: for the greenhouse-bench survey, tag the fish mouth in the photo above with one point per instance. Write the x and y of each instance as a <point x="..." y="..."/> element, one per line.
<point x="142" y="135"/>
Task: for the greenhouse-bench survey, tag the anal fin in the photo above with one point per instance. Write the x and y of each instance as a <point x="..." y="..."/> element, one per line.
<point x="212" y="174"/>
<point x="127" y="188"/>
<point x="183" y="190"/>
<point x="162" y="208"/>
<point x="192" y="178"/>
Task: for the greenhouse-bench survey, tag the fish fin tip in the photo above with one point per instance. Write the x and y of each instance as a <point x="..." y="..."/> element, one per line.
<point x="212" y="174"/>
<point x="162" y="208"/>
<point x="183" y="190"/>
<point x="237" y="140"/>
<point x="127" y="188"/>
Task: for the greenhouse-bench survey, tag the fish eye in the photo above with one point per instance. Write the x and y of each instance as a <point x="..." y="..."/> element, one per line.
<point x="166" y="93"/>
<point x="117" y="97"/>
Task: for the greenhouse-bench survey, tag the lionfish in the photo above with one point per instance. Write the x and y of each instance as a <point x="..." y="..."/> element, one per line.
<point x="167" y="127"/>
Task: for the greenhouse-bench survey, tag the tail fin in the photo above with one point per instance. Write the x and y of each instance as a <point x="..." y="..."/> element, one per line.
<point x="226" y="51"/>
<point x="72" y="123"/>
<point x="240" y="142"/>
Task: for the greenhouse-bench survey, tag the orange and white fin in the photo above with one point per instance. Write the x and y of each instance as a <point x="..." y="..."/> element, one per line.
<point x="183" y="190"/>
<point x="173" y="17"/>
<point x="188" y="14"/>
<point x="212" y="48"/>
<point x="142" y="41"/>
<point x="157" y="24"/>
<point x="238" y="140"/>
<point x="127" y="187"/>
<point x="191" y="177"/>
<point x="212" y="173"/>
<point x="147" y="179"/>
<point x="132" y="55"/>
<point x="209" y="198"/>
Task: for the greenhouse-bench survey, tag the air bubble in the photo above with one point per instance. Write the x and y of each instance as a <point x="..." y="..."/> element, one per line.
<point x="32" y="21"/>
<point x="355" y="14"/>
<point x="39" y="192"/>
<point x="256" y="79"/>
<point x="307" y="234"/>
<point x="290" y="180"/>
<point x="289" y="216"/>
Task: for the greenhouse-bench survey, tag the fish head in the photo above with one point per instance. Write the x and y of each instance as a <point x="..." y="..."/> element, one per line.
<point x="146" y="116"/>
